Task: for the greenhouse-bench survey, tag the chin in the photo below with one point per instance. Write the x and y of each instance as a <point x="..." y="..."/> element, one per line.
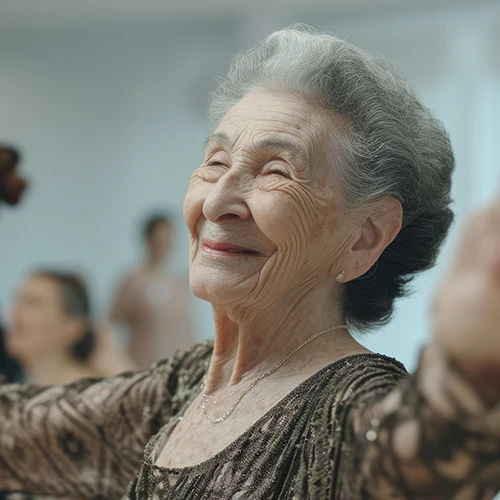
<point x="219" y="286"/>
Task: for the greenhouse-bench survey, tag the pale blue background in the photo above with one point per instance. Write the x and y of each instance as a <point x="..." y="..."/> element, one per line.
<point x="107" y="104"/>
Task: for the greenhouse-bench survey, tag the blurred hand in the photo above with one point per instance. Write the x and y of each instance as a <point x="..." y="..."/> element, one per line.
<point x="466" y="322"/>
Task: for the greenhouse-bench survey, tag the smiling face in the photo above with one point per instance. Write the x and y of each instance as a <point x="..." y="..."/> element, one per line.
<point x="261" y="209"/>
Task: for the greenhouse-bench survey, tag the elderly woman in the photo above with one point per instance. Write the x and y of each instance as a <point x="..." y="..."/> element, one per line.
<point x="324" y="189"/>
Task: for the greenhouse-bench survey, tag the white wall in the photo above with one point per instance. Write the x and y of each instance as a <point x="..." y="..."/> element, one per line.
<point x="110" y="121"/>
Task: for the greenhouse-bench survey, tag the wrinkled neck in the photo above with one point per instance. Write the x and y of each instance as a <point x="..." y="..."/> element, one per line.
<point x="251" y="341"/>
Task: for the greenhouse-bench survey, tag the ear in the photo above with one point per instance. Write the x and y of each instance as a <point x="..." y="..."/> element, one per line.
<point x="381" y="224"/>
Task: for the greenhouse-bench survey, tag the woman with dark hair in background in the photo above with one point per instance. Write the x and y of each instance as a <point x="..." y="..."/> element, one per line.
<point x="152" y="303"/>
<point x="51" y="333"/>
<point x="49" y="293"/>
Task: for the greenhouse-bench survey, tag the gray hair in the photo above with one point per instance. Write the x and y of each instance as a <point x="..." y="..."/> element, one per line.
<point x="392" y="147"/>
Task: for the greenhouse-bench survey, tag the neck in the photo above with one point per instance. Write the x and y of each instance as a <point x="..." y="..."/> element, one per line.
<point x="248" y="343"/>
<point x="55" y="370"/>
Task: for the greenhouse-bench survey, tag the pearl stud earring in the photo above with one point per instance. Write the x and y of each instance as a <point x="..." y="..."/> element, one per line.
<point x="340" y="276"/>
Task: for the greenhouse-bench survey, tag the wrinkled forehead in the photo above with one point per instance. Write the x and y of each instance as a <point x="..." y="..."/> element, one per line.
<point x="276" y="120"/>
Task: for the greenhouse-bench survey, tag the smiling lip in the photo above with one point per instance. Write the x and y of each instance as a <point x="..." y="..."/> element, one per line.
<point x="221" y="248"/>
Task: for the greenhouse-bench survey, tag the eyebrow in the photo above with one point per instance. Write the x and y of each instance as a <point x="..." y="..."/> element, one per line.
<point x="218" y="138"/>
<point x="281" y="144"/>
<point x="270" y="143"/>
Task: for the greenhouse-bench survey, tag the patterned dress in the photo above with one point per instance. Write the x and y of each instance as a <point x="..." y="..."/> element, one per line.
<point x="335" y="436"/>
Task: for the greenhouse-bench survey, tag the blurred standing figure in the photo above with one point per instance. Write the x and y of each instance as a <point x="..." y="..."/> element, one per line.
<point x="52" y="335"/>
<point x="153" y="303"/>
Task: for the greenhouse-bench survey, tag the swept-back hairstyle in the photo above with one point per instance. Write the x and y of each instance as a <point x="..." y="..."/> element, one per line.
<point x="392" y="147"/>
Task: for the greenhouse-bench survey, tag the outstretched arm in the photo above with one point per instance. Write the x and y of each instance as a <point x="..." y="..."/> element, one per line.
<point x="437" y="434"/>
<point x="84" y="440"/>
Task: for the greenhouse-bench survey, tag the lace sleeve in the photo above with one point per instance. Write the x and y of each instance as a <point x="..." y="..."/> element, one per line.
<point x="84" y="440"/>
<point x="432" y="437"/>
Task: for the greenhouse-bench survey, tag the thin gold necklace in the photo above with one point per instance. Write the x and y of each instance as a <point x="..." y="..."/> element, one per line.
<point x="205" y="398"/>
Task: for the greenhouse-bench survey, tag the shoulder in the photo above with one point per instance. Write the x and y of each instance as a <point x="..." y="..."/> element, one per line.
<point x="196" y="356"/>
<point x="187" y="366"/>
<point x="359" y="378"/>
<point x="173" y="380"/>
<point x="132" y="281"/>
<point x="351" y="384"/>
<point x="365" y="373"/>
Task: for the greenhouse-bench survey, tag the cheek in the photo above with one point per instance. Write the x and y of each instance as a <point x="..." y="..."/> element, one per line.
<point x="193" y="203"/>
<point x="288" y="218"/>
<point x="32" y="319"/>
<point x="38" y="335"/>
<point x="45" y="329"/>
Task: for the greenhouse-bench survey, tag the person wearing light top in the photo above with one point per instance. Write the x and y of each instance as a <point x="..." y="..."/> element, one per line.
<point x="152" y="303"/>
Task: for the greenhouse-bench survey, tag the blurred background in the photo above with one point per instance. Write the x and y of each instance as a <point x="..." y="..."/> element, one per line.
<point x="106" y="100"/>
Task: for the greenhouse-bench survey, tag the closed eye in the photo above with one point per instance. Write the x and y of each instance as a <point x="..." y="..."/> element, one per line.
<point x="276" y="171"/>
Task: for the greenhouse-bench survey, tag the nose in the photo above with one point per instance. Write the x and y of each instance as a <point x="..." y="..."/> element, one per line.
<point x="226" y="200"/>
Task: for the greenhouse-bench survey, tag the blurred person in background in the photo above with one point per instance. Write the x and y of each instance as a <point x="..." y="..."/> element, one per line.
<point x="151" y="303"/>
<point x="52" y="335"/>
<point x="12" y="187"/>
